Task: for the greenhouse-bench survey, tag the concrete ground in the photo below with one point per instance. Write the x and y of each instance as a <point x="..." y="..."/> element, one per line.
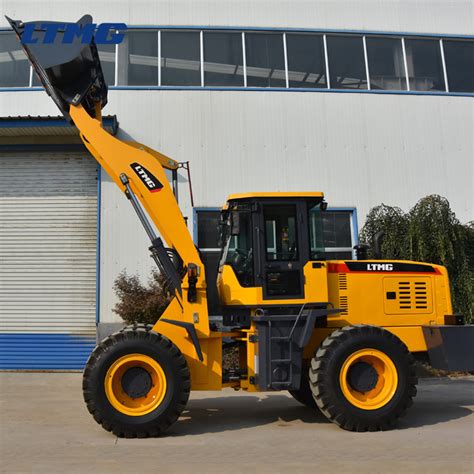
<point x="45" y="427"/>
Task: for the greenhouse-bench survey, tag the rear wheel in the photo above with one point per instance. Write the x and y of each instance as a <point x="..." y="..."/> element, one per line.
<point x="363" y="378"/>
<point x="136" y="383"/>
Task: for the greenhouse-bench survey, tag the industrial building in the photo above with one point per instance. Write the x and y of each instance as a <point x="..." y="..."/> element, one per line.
<point x="368" y="101"/>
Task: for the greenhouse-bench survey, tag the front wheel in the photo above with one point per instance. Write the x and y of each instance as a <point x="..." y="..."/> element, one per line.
<point x="363" y="378"/>
<point x="136" y="383"/>
<point x="304" y="395"/>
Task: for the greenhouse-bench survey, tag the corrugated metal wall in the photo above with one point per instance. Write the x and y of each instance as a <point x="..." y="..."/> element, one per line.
<point x="48" y="237"/>
<point x="423" y="16"/>
<point x="360" y="149"/>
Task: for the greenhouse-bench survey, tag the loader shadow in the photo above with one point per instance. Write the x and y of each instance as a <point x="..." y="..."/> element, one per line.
<point x="219" y="414"/>
<point x="437" y="402"/>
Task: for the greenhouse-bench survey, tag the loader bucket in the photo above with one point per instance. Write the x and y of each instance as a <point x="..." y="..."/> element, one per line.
<point x="69" y="68"/>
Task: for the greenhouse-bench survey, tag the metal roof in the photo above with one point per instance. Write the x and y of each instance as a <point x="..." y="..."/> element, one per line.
<point x="51" y="126"/>
<point x="302" y="194"/>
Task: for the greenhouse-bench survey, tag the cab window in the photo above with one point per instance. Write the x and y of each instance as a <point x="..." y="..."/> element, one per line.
<point x="240" y="252"/>
<point x="281" y="238"/>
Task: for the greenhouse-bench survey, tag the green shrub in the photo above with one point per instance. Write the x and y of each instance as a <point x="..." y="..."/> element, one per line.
<point x="139" y="303"/>
<point x="429" y="232"/>
<point x="394" y="223"/>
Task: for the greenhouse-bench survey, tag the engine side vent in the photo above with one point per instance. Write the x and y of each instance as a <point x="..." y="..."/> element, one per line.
<point x="344" y="304"/>
<point x="421" y="295"/>
<point x="408" y="295"/>
<point x="413" y="295"/>
<point x="343" y="298"/>
<point x="342" y="281"/>
<point x="404" y="295"/>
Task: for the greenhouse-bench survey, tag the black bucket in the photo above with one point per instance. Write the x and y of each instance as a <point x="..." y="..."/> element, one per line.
<point x="70" y="72"/>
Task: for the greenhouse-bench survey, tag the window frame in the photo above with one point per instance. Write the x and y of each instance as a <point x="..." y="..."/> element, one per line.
<point x="442" y="64"/>
<point x="404" y="61"/>
<point x="275" y="33"/>
<point x="201" y="57"/>
<point x="353" y="224"/>
<point x="443" y="43"/>
<point x="354" y="231"/>
<point x="284" y="31"/>
<point x="324" y="58"/>
<point x="119" y="57"/>
<point x="364" y="55"/>
<point x="9" y="31"/>
<point x="196" y="211"/>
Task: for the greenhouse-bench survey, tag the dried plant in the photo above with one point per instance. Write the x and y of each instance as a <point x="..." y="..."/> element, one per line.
<point x="139" y="303"/>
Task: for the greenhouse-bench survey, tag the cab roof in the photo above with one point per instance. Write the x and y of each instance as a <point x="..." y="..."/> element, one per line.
<point x="309" y="194"/>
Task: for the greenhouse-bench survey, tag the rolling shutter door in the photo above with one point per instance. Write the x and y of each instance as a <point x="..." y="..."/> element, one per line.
<point x="48" y="240"/>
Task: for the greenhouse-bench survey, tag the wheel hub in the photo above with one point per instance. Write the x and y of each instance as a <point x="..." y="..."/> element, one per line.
<point x="368" y="379"/>
<point x="362" y="377"/>
<point x="136" y="382"/>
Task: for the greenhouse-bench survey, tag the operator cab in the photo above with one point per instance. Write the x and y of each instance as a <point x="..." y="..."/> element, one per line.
<point x="266" y="240"/>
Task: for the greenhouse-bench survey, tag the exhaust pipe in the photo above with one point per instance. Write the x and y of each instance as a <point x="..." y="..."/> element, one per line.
<point x="378" y="237"/>
<point x="70" y="70"/>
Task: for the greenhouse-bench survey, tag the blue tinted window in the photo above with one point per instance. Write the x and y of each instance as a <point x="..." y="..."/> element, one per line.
<point x="306" y="64"/>
<point x="107" y="60"/>
<point x="459" y="57"/>
<point x="14" y="65"/>
<point x="180" y="58"/>
<point x="386" y="66"/>
<point x="138" y="59"/>
<point x="425" y="69"/>
<point x="265" y="60"/>
<point x="346" y="62"/>
<point x="223" y="61"/>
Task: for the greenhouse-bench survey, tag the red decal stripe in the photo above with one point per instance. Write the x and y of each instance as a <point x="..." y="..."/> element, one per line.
<point x="337" y="268"/>
<point x="342" y="268"/>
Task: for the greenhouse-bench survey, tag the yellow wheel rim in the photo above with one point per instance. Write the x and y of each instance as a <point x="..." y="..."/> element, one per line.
<point x="386" y="381"/>
<point x="142" y="403"/>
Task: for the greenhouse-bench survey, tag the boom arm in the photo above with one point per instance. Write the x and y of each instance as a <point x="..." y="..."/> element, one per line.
<point x="72" y="75"/>
<point x="147" y="180"/>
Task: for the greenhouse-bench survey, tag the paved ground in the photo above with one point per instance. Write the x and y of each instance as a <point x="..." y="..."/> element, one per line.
<point x="45" y="427"/>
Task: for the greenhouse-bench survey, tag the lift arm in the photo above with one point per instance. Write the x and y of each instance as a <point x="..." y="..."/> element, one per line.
<point x="167" y="162"/>
<point x="147" y="180"/>
<point x="72" y="75"/>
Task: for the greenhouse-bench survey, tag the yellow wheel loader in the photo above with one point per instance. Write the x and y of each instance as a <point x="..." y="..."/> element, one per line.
<point x="340" y="336"/>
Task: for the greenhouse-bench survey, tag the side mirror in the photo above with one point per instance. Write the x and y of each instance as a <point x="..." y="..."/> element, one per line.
<point x="323" y="206"/>
<point x="235" y="229"/>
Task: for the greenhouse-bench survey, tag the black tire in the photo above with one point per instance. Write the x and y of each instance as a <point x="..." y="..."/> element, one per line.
<point x="325" y="370"/>
<point x="142" y="340"/>
<point x="304" y="395"/>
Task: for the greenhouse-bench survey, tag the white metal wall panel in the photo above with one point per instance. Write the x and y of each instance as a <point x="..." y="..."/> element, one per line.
<point x="48" y="237"/>
<point x="360" y="149"/>
<point x="419" y="16"/>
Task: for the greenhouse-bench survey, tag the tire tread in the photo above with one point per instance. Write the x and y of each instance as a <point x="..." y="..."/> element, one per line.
<point x="323" y="397"/>
<point x="136" y="331"/>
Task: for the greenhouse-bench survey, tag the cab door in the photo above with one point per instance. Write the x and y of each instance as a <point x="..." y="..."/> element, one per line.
<point x="283" y="252"/>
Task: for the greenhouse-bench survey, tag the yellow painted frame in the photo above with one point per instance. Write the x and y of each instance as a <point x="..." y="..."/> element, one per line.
<point x="116" y="157"/>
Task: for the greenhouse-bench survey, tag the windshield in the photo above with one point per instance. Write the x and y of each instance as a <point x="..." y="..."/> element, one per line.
<point x="237" y="250"/>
